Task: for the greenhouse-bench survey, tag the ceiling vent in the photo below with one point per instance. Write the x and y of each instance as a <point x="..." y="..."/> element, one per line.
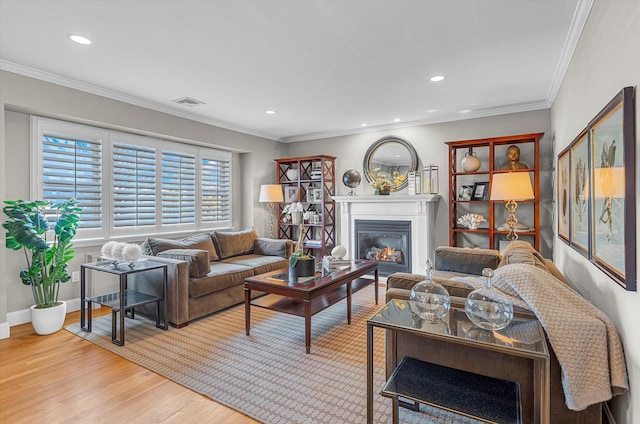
<point x="188" y="101"/>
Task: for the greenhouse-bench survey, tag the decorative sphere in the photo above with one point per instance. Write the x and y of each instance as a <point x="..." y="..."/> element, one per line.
<point x="339" y="251"/>
<point x="429" y="300"/>
<point x="487" y="307"/>
<point x="351" y="178"/>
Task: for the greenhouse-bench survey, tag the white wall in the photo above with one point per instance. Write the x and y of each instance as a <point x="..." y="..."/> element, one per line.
<point x="429" y="142"/>
<point x="21" y="96"/>
<point x="607" y="59"/>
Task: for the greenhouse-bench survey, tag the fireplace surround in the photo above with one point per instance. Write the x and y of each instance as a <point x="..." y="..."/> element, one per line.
<point x="417" y="210"/>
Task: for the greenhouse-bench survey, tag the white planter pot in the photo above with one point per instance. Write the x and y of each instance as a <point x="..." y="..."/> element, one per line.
<point x="48" y="320"/>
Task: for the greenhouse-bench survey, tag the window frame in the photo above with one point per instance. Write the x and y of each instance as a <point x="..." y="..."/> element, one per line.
<point x="41" y="126"/>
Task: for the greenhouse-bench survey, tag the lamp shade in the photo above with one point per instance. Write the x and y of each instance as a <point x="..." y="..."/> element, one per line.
<point x="271" y="193"/>
<point x="511" y="186"/>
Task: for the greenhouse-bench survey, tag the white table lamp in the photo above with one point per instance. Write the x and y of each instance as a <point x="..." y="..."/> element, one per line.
<point x="511" y="186"/>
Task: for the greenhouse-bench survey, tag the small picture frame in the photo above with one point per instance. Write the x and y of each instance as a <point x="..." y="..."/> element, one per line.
<point x="291" y="194"/>
<point x="481" y="191"/>
<point x="317" y="195"/>
<point x="465" y="192"/>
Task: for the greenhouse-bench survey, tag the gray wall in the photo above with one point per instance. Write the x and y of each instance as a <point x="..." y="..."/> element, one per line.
<point x="429" y="142"/>
<point x="605" y="61"/>
<point x="21" y="96"/>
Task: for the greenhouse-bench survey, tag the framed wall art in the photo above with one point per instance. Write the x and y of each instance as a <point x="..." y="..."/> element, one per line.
<point x="564" y="200"/>
<point x="579" y="194"/>
<point x="613" y="223"/>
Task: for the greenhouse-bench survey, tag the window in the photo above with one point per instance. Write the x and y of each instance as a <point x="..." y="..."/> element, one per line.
<point x="129" y="184"/>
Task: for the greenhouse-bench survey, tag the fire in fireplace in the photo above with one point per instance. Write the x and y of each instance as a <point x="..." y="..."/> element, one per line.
<point x="388" y="242"/>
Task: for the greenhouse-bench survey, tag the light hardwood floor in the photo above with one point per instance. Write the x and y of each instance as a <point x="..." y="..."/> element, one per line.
<point x="61" y="378"/>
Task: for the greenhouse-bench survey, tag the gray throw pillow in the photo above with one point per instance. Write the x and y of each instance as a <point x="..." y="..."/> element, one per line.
<point x="234" y="243"/>
<point x="197" y="259"/>
<point x="153" y="246"/>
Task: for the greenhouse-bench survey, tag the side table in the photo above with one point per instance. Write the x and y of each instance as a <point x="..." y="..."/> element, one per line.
<point x="523" y="338"/>
<point x="124" y="299"/>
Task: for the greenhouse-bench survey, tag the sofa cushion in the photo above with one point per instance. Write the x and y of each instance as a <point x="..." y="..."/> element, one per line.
<point x="466" y="260"/>
<point x="233" y="243"/>
<point x="259" y="263"/>
<point x="197" y="259"/>
<point x="521" y="252"/>
<point x="270" y="247"/>
<point x="221" y="276"/>
<point x="153" y="246"/>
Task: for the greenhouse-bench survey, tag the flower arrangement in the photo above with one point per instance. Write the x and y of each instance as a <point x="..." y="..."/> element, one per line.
<point x="296" y="212"/>
<point x="117" y="251"/>
<point x="471" y="220"/>
<point x="382" y="181"/>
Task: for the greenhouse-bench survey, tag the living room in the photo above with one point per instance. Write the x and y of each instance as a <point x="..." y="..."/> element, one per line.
<point x="602" y="64"/>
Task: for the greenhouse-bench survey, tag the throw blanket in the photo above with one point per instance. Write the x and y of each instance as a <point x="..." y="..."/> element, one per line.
<point x="586" y="343"/>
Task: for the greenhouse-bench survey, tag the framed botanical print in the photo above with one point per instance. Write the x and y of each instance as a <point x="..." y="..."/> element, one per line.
<point x="613" y="195"/>
<point x="563" y="196"/>
<point x="579" y="193"/>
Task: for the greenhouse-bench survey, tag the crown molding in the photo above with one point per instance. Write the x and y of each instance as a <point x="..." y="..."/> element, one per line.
<point x="571" y="42"/>
<point x="119" y="96"/>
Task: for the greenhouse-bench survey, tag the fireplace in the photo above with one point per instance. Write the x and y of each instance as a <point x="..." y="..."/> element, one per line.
<point x="388" y="242"/>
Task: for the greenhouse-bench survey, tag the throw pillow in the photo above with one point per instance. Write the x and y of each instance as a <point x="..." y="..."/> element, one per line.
<point x="197" y="259"/>
<point x="153" y="246"/>
<point x="234" y="243"/>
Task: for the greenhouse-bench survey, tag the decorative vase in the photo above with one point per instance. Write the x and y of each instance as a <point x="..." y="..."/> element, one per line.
<point x="429" y="300"/>
<point x="296" y="218"/>
<point x="487" y="308"/>
<point x="470" y="162"/>
<point x="304" y="267"/>
<point x="379" y="192"/>
<point x="292" y="174"/>
<point x="48" y="320"/>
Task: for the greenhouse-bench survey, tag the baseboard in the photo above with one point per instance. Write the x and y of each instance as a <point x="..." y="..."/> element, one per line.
<point x="4" y="330"/>
<point x="23" y="316"/>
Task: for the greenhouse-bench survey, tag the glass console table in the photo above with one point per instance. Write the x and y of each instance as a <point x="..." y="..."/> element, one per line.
<point x="426" y="383"/>
<point x="124" y="299"/>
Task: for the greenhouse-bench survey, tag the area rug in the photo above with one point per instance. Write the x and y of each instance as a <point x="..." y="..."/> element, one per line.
<point x="268" y="376"/>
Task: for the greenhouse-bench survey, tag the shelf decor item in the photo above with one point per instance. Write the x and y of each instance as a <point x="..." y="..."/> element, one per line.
<point x="487" y="308"/>
<point x="511" y="186"/>
<point x="351" y="179"/>
<point x="470" y="162"/>
<point x="429" y="300"/>
<point x="471" y="220"/>
<point x="27" y="226"/>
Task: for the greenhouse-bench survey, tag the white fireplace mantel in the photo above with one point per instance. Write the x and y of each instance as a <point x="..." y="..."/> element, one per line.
<point x="419" y="209"/>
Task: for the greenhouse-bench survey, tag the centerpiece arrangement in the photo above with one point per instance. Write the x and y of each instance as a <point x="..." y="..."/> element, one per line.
<point x="300" y="263"/>
<point x="384" y="183"/>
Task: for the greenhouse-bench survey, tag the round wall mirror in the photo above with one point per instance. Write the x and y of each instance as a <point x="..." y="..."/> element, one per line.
<point x="390" y="154"/>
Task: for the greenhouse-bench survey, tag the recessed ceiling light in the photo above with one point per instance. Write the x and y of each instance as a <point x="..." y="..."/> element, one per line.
<point x="270" y="112"/>
<point x="437" y="78"/>
<point x="396" y="120"/>
<point x="431" y="110"/>
<point x="465" y="111"/>
<point x="363" y="125"/>
<point x="79" y="39"/>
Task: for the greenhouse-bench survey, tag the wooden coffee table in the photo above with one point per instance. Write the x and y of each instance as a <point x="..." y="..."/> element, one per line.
<point x="308" y="297"/>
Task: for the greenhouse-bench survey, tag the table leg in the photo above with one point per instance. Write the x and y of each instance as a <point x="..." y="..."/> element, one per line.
<point x="164" y="301"/>
<point x="376" y="283"/>
<point x="369" y="373"/>
<point x="349" y="290"/>
<point x="122" y="312"/>
<point x="247" y="310"/>
<point x="83" y="295"/>
<point x="307" y="324"/>
<point x="541" y="391"/>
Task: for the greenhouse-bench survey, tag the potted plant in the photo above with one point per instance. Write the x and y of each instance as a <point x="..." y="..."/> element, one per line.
<point x="46" y="268"/>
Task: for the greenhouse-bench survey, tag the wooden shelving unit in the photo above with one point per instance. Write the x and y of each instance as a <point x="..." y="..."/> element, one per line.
<point x="492" y="155"/>
<point x="315" y="184"/>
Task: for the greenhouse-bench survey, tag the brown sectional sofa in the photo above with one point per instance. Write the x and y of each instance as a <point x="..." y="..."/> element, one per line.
<point x="207" y="271"/>
<point x="453" y="262"/>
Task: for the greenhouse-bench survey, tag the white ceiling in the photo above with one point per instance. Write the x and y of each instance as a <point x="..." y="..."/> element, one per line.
<point x="326" y="67"/>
